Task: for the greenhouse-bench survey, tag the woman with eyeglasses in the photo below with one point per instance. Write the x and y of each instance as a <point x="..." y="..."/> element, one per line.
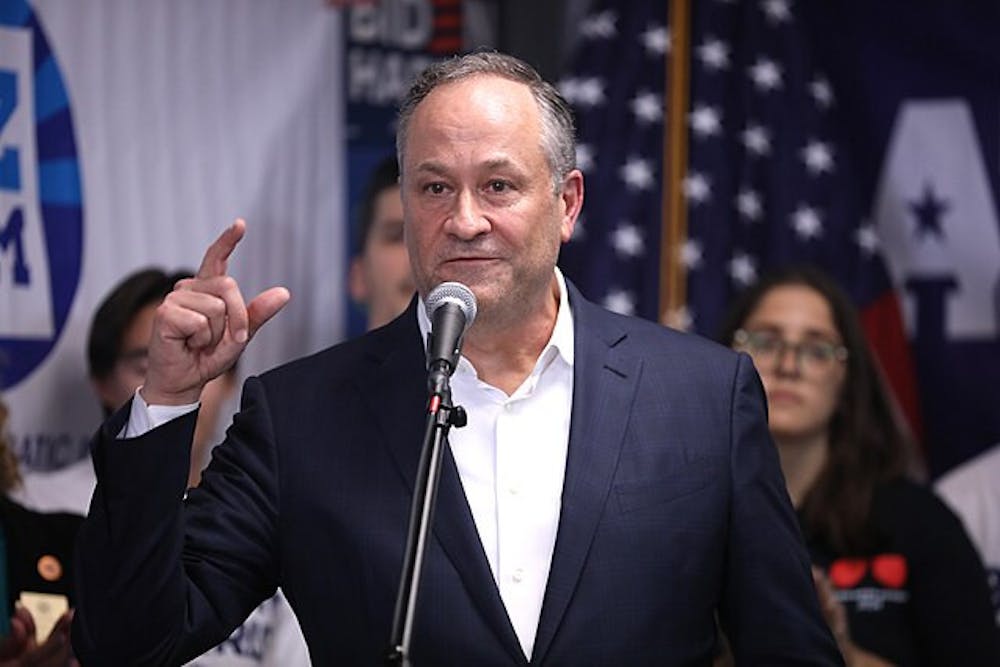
<point x="897" y="577"/>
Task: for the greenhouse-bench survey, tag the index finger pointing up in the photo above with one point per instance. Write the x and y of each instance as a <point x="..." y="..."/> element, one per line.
<point x="216" y="257"/>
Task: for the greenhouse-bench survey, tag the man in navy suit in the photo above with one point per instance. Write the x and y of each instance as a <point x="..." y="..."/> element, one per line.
<point x="614" y="498"/>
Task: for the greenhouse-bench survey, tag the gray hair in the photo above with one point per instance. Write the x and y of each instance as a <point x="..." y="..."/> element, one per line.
<point x="558" y="132"/>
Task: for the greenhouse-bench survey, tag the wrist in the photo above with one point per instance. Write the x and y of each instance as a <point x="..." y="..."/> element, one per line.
<point x="153" y="396"/>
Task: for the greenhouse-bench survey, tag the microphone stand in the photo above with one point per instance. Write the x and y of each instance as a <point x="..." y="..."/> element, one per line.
<point x="441" y="416"/>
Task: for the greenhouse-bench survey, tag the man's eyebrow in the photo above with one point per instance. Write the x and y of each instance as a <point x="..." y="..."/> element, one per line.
<point x="432" y="168"/>
<point x="499" y="162"/>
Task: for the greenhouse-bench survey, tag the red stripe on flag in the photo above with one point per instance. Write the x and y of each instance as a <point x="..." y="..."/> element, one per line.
<point x="451" y="21"/>
<point x="883" y="324"/>
<point x="444" y="45"/>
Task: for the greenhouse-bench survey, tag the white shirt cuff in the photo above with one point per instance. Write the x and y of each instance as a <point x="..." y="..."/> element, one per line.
<point x="144" y="417"/>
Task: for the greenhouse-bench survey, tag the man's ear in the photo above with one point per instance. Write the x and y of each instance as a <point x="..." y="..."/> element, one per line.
<point x="356" y="283"/>
<point x="572" y="202"/>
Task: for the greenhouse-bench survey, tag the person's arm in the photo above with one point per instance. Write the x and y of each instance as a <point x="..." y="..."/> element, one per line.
<point x="769" y="609"/>
<point x="161" y="579"/>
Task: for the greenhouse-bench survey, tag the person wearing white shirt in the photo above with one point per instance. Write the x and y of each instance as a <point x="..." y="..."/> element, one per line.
<point x="972" y="490"/>
<point x="614" y="493"/>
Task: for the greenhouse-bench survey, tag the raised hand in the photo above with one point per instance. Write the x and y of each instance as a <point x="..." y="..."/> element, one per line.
<point x="201" y="327"/>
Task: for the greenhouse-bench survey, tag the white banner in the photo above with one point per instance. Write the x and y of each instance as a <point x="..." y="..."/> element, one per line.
<point x="131" y="134"/>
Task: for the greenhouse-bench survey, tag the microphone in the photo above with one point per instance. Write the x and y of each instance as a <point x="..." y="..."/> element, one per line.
<point x="451" y="308"/>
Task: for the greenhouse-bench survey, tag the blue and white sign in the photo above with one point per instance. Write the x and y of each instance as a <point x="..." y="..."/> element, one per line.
<point x="41" y="219"/>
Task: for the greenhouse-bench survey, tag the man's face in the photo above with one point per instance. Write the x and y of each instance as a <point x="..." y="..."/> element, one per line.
<point x="478" y="195"/>
<point x="380" y="277"/>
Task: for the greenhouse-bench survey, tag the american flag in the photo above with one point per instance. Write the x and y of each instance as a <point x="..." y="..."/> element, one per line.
<point x="617" y="90"/>
<point x="769" y="177"/>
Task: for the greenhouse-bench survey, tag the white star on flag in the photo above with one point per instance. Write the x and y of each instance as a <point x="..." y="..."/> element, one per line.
<point x="806" y="222"/>
<point x="647" y="107"/>
<point x="599" y="26"/>
<point x="714" y="54"/>
<point x="587" y="92"/>
<point x="590" y="92"/>
<point x="867" y="239"/>
<point x="584" y="157"/>
<point x="749" y="205"/>
<point x="743" y="269"/>
<point x="822" y="92"/>
<point x="766" y="75"/>
<point x="776" y="11"/>
<point x="697" y="189"/>
<point x="818" y="157"/>
<point x="620" y="301"/>
<point x="627" y="240"/>
<point x="691" y="254"/>
<point x="637" y="174"/>
<point x="705" y="121"/>
<point x="656" y="40"/>
<point x="757" y="140"/>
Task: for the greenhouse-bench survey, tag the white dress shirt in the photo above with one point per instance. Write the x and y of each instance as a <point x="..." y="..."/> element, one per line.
<point x="511" y="458"/>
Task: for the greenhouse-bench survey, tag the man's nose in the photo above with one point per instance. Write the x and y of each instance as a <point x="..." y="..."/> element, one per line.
<point x="467" y="220"/>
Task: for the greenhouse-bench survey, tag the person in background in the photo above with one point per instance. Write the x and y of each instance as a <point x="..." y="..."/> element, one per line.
<point x="897" y="577"/>
<point x="380" y="276"/>
<point x="117" y="349"/>
<point x="973" y="492"/>
<point x="36" y="568"/>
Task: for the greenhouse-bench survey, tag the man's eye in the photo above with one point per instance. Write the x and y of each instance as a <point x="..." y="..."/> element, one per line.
<point x="435" y="188"/>
<point x="499" y="186"/>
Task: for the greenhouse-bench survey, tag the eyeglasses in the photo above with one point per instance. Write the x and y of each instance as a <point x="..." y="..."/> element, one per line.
<point x="811" y="356"/>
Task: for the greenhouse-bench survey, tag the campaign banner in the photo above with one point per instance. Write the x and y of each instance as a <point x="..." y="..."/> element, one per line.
<point x="131" y="134"/>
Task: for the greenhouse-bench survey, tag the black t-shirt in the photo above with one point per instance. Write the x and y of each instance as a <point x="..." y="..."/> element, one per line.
<point x="39" y="551"/>
<point x="921" y="597"/>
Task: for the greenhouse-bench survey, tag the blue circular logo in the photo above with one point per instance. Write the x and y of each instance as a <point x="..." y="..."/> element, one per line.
<point x="41" y="214"/>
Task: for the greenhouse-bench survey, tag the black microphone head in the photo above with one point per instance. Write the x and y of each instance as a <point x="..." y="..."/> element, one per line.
<point x="452" y="292"/>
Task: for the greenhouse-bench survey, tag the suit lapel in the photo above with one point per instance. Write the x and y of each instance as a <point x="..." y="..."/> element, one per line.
<point x="396" y="392"/>
<point x="604" y="384"/>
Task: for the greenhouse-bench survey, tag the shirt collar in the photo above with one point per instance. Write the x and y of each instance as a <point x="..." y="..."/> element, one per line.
<point x="562" y="334"/>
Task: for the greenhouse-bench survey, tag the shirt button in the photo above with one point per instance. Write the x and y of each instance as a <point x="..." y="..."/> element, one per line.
<point x="518" y="575"/>
<point x="513" y="489"/>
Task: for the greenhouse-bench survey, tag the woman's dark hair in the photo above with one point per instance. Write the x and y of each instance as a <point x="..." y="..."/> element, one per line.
<point x="866" y="445"/>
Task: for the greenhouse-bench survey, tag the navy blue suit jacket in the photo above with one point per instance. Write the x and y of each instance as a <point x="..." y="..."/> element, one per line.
<point x="674" y="514"/>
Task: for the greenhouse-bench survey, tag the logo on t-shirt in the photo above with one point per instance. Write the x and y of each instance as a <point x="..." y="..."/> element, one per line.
<point x="870" y="583"/>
